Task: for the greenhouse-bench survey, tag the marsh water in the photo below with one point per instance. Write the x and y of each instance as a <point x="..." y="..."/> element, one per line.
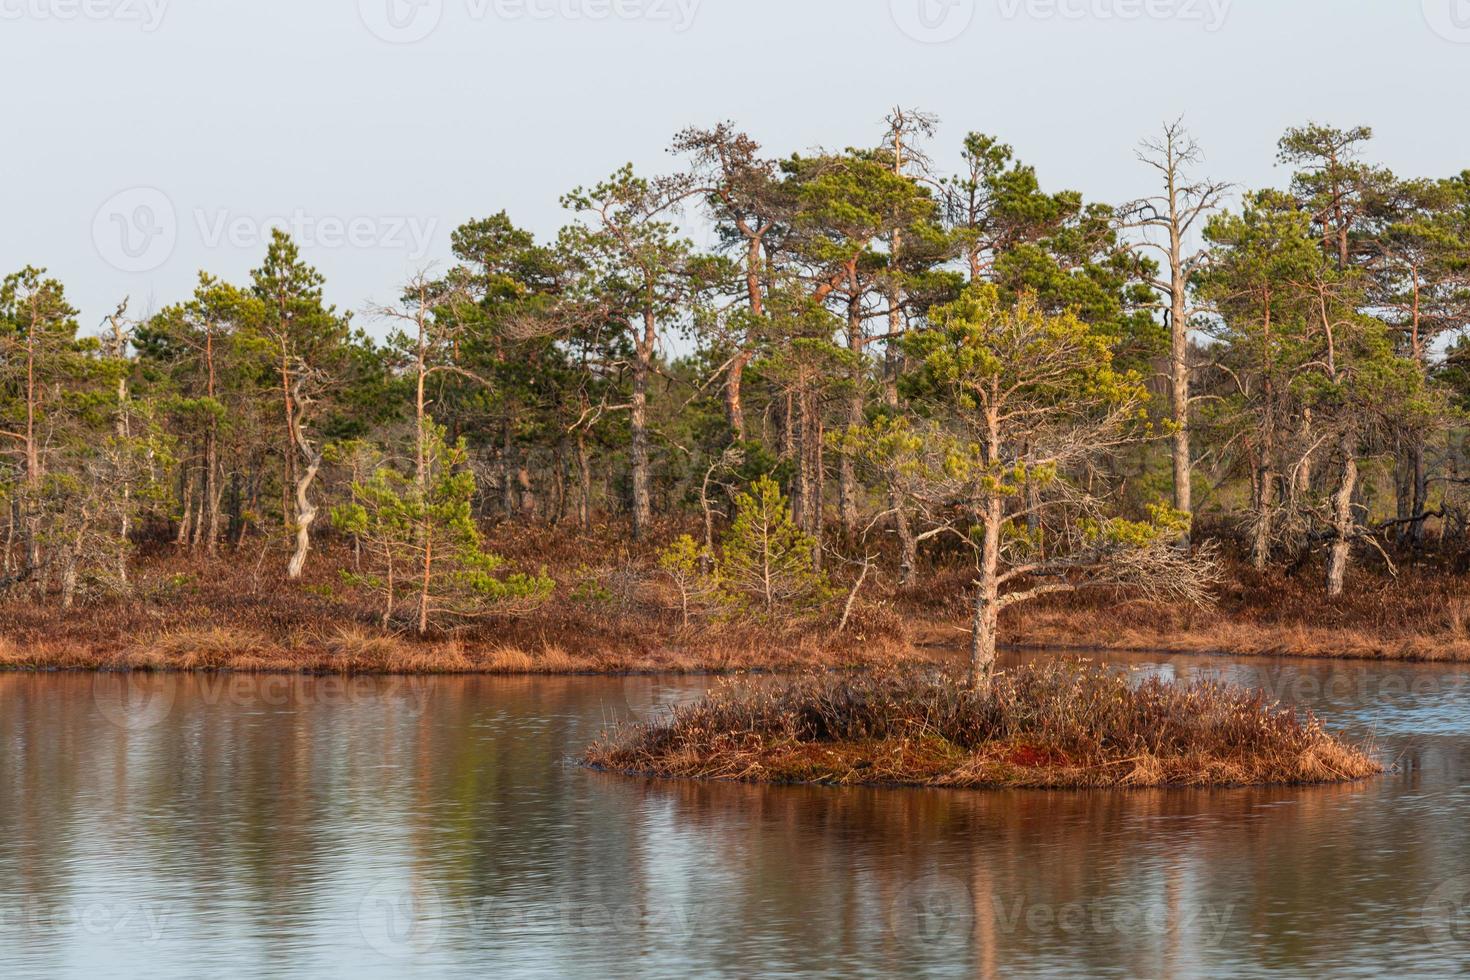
<point x="201" y="826"/>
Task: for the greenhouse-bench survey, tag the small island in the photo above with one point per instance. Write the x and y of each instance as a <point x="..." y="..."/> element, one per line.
<point x="1071" y="724"/>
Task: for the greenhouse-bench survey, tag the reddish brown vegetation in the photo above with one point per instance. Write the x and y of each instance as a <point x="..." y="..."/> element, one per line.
<point x="613" y="612"/>
<point x="1422" y="615"/>
<point x="1069" y="724"/>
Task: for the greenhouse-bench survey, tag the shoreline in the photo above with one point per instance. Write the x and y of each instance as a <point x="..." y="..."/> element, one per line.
<point x="353" y="651"/>
<point x="615" y="612"/>
<point x="1242" y="639"/>
<point x="1024" y="785"/>
<point x="359" y="653"/>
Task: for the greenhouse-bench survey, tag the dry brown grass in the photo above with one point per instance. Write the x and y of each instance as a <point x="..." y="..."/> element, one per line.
<point x="217" y="648"/>
<point x="356" y="649"/>
<point x="1069" y="724"/>
<point x="237" y="613"/>
<point x="1421" y="616"/>
<point x="1089" y="630"/>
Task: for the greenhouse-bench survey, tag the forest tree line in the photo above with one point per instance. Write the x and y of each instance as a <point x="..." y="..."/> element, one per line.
<point x="932" y="364"/>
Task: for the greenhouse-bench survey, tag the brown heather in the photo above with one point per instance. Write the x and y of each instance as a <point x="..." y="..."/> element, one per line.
<point x="1423" y="615"/>
<point x="187" y="613"/>
<point x="1068" y="724"/>
<point x="234" y="613"/>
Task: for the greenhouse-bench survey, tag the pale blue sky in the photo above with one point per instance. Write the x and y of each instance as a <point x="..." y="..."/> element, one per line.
<point x="232" y="112"/>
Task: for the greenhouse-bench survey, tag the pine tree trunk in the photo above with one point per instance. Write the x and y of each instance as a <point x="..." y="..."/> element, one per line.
<point x="1403" y="487"/>
<point x="1179" y="350"/>
<point x="847" y="489"/>
<point x="121" y="431"/>
<point x="8" y="561"/>
<point x="124" y="531"/>
<point x="987" y="600"/>
<point x="1265" y="507"/>
<point x="1179" y="395"/>
<point x="642" y="483"/>
<point x="212" y="493"/>
<point x="71" y="558"/>
<point x="793" y="448"/>
<point x="527" y="492"/>
<point x="1304" y="466"/>
<point x="1343" y="524"/>
<point x="507" y="468"/>
<point x="908" y="547"/>
<point x="425" y="584"/>
<point x="289" y="461"/>
<point x="819" y="486"/>
<point x="584" y="484"/>
<point x="212" y="488"/>
<point x="186" y="518"/>
<point x="68" y="577"/>
<point x="1421" y="492"/>
<point x="201" y="505"/>
<point x="235" y="515"/>
<point x="734" y="404"/>
<point x="305" y="510"/>
<point x="33" y="460"/>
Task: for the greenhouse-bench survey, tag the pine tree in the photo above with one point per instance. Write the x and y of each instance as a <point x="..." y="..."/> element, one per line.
<point x="422" y="543"/>
<point x="308" y="342"/>
<point x="1027" y="404"/>
<point x="691" y="569"/>
<point x="766" y="560"/>
<point x="633" y="264"/>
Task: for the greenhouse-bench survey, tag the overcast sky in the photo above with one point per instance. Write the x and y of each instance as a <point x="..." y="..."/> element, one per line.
<point x="147" y="139"/>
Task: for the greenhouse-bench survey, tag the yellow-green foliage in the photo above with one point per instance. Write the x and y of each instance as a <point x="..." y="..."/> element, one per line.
<point x="766" y="561"/>
<point x="692" y="569"/>
<point x="1165" y="524"/>
<point x="422" y="541"/>
<point x="684" y="557"/>
<point x="765" y="564"/>
<point x="1016" y="375"/>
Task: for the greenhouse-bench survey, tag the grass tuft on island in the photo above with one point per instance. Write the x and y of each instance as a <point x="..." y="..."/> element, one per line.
<point x="1073" y="724"/>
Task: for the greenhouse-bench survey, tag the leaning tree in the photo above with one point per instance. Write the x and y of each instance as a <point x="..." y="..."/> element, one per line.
<point x="1023" y="405"/>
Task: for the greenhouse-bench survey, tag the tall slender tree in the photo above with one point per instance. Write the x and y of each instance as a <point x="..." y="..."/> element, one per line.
<point x="635" y="266"/>
<point x="1167" y="221"/>
<point x="307" y="339"/>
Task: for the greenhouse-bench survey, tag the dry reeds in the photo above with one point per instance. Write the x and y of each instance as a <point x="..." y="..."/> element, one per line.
<point x="190" y="613"/>
<point x="1070" y="724"/>
<point x="357" y="649"/>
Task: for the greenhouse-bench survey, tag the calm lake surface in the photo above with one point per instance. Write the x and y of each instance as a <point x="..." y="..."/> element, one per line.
<point x="195" y="826"/>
